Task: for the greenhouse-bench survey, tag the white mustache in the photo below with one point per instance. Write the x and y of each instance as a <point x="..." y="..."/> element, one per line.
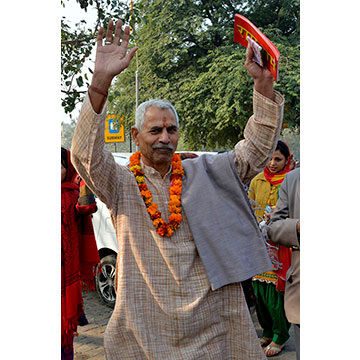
<point x="165" y="147"/>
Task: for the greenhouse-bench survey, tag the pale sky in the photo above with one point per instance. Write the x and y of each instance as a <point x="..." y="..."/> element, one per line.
<point x="74" y="14"/>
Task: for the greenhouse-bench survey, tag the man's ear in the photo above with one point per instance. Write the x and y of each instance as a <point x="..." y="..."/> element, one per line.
<point x="135" y="133"/>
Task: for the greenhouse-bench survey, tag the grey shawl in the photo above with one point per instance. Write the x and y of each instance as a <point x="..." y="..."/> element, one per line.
<point x="222" y="221"/>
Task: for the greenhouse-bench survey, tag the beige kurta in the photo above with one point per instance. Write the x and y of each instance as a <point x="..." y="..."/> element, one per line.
<point x="165" y="308"/>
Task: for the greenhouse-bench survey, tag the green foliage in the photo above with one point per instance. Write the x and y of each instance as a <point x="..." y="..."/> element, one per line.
<point x="289" y="74"/>
<point x="212" y="114"/>
<point x="276" y="14"/>
<point x="76" y="46"/>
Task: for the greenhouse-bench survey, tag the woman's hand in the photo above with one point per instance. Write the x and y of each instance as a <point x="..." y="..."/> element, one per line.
<point x="267" y="215"/>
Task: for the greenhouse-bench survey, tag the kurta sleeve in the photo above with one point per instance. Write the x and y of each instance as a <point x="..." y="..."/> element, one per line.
<point x="92" y="161"/>
<point x="260" y="136"/>
<point x="282" y="228"/>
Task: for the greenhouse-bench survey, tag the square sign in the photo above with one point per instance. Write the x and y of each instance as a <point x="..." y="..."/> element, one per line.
<point x="114" y="129"/>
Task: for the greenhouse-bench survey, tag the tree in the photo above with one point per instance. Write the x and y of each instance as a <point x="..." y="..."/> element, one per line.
<point x="276" y="14"/>
<point x="187" y="55"/>
<point x="77" y="44"/>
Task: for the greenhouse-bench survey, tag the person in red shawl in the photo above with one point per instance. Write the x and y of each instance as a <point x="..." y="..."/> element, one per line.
<point x="269" y="287"/>
<point x="79" y="254"/>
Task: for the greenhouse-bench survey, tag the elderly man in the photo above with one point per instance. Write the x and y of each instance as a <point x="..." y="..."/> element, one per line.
<point x="186" y="232"/>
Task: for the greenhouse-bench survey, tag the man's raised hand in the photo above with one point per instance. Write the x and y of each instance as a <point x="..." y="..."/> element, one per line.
<point x="263" y="80"/>
<point x="113" y="56"/>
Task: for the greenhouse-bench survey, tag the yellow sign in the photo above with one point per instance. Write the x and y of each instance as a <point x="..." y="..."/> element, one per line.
<point x="114" y="129"/>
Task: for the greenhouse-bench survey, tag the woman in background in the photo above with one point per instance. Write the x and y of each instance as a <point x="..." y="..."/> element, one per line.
<point x="79" y="254"/>
<point x="269" y="287"/>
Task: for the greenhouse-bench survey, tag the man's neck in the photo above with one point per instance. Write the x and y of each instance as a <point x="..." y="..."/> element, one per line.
<point x="162" y="168"/>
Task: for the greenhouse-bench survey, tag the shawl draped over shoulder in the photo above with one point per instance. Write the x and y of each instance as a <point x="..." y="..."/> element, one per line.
<point x="222" y="221"/>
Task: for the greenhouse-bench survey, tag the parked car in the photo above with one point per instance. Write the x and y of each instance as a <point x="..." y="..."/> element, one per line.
<point x="107" y="244"/>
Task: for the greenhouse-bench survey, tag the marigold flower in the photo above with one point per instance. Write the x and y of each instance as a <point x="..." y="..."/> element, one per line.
<point x="169" y="231"/>
<point x="147" y="201"/>
<point x="154" y="214"/>
<point x="175" y="190"/>
<point x="143" y="187"/>
<point x="178" y="171"/>
<point x="162" y="230"/>
<point x="177" y="218"/>
<point x="146" y="193"/>
<point x="136" y="169"/>
<point x="135" y="159"/>
<point x="176" y="158"/>
<point x="158" y="222"/>
<point x="152" y="209"/>
<point x="175" y="209"/>
<point x="174" y="200"/>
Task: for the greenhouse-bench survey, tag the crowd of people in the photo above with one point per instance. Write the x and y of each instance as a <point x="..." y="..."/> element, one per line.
<point x="188" y="235"/>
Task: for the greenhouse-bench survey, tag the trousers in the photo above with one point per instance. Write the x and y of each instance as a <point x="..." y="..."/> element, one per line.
<point x="270" y="312"/>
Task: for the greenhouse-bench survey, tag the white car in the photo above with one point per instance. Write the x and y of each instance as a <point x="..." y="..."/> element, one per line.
<point x="107" y="244"/>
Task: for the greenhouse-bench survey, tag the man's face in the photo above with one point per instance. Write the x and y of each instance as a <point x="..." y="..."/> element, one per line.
<point x="158" y="138"/>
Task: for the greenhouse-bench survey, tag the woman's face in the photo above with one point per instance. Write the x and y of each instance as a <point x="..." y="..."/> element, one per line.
<point x="277" y="162"/>
<point x="63" y="173"/>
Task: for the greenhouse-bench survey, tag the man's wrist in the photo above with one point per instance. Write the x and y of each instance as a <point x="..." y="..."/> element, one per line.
<point x="265" y="87"/>
<point x="101" y="82"/>
<point x="98" y="91"/>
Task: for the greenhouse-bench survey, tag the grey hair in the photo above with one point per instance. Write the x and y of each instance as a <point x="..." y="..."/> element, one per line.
<point x="158" y="103"/>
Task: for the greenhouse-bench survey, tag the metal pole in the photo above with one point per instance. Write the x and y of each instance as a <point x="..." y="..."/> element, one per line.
<point x="130" y="137"/>
<point x="137" y="87"/>
<point x="136" y="73"/>
<point x="136" y="95"/>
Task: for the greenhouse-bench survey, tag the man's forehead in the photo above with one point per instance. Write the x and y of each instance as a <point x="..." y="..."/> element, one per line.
<point x="162" y="117"/>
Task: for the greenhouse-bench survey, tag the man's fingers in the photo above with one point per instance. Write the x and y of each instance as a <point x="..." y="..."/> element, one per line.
<point x="118" y="32"/>
<point x="100" y="36"/>
<point x="249" y="53"/>
<point x="109" y="32"/>
<point x="126" y="37"/>
<point x="131" y="53"/>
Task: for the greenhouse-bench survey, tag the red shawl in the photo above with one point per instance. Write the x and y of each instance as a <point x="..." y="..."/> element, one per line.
<point x="79" y="254"/>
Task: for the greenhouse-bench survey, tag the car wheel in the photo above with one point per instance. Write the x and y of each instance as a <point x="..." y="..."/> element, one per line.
<point x="105" y="280"/>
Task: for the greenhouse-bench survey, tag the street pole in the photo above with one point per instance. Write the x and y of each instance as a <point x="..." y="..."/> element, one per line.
<point x="136" y="73"/>
<point x="130" y="141"/>
<point x="136" y="94"/>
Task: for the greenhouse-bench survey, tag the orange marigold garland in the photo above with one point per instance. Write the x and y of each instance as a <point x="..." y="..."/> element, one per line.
<point x="175" y="190"/>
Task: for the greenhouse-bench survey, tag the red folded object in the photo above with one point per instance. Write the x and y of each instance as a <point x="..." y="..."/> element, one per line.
<point x="268" y="55"/>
